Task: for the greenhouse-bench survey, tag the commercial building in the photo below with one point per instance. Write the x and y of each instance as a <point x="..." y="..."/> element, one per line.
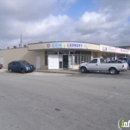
<point x="125" y="46"/>
<point x="60" y="55"/>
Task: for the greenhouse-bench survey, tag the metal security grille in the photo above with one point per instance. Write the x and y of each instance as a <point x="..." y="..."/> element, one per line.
<point x="81" y="58"/>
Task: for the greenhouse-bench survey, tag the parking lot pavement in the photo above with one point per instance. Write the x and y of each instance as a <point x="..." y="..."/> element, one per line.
<point x="90" y="101"/>
<point x="122" y="75"/>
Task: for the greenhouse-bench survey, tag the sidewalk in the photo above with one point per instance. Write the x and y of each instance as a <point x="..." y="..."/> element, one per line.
<point x="3" y="70"/>
<point x="62" y="71"/>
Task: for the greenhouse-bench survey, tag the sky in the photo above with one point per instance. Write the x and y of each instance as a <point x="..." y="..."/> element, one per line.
<point x="94" y="21"/>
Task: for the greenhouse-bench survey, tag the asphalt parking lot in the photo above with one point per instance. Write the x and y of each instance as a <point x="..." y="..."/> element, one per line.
<point x="42" y="101"/>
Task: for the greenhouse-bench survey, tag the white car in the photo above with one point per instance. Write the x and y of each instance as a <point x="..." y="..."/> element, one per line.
<point x="98" y="64"/>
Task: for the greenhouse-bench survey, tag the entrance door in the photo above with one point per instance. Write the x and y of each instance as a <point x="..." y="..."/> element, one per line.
<point x="65" y="61"/>
<point x="61" y="61"/>
<point x="53" y="61"/>
<point x="38" y="60"/>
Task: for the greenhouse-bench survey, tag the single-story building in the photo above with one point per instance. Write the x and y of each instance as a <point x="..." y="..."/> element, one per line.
<point x="60" y="55"/>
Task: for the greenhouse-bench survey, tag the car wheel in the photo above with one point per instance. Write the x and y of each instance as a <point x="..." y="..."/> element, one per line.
<point x="23" y="71"/>
<point x="83" y="70"/>
<point x="10" y="70"/>
<point x="113" y="71"/>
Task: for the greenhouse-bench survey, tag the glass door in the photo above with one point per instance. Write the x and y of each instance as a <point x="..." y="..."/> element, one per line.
<point x="61" y="61"/>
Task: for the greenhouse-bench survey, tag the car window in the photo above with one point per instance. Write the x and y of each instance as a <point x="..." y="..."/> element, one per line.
<point x="25" y="62"/>
<point x="14" y="63"/>
<point x="17" y="64"/>
<point x="94" y="61"/>
<point x="10" y="63"/>
<point x="101" y="60"/>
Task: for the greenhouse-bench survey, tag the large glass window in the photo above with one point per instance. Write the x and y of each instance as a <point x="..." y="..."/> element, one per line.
<point x="81" y="58"/>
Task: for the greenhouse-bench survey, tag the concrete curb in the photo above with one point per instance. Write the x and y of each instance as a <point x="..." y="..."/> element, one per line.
<point x="60" y="72"/>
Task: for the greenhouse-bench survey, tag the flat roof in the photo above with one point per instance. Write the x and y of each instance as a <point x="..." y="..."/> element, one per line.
<point x="123" y="46"/>
<point x="62" y="41"/>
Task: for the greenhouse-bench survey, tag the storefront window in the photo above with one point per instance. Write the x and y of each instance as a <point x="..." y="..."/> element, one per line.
<point x="85" y="52"/>
<point x="77" y="52"/>
<point x="63" y="52"/>
<point x="82" y="58"/>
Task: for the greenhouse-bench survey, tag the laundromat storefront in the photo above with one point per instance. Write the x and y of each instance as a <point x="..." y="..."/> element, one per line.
<point x="65" y="55"/>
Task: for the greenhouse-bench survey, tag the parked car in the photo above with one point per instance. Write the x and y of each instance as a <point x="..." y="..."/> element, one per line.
<point x="127" y="59"/>
<point x="1" y="66"/>
<point x="98" y="64"/>
<point x="20" y="66"/>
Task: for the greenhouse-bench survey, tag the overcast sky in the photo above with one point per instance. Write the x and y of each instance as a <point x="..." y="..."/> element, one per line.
<point x="95" y="21"/>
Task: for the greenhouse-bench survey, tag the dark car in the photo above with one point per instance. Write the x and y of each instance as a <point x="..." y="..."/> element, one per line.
<point x="20" y="66"/>
<point x="1" y="66"/>
<point x="127" y="59"/>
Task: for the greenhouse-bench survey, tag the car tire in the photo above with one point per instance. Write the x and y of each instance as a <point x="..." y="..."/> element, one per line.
<point x="10" y="70"/>
<point x="113" y="71"/>
<point x="83" y="70"/>
<point x="22" y="71"/>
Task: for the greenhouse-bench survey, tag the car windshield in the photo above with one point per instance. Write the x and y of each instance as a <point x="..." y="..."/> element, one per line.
<point x="25" y="62"/>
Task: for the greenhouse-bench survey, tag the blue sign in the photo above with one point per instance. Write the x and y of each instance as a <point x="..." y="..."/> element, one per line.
<point x="74" y="45"/>
<point x="57" y="45"/>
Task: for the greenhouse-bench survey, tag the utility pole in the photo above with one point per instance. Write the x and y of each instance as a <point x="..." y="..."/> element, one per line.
<point x="21" y="41"/>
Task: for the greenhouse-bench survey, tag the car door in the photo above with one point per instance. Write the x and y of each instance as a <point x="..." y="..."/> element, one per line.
<point x="103" y="66"/>
<point x="93" y="65"/>
<point x="13" y="66"/>
<point x="18" y="67"/>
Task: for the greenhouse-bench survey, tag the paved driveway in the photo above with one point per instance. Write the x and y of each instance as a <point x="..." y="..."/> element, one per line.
<point x="41" y="101"/>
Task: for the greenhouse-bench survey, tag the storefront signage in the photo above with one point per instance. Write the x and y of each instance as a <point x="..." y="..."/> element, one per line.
<point x="112" y="48"/>
<point x="57" y="45"/>
<point x="104" y="48"/>
<point x="124" y="50"/>
<point x="76" y="45"/>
